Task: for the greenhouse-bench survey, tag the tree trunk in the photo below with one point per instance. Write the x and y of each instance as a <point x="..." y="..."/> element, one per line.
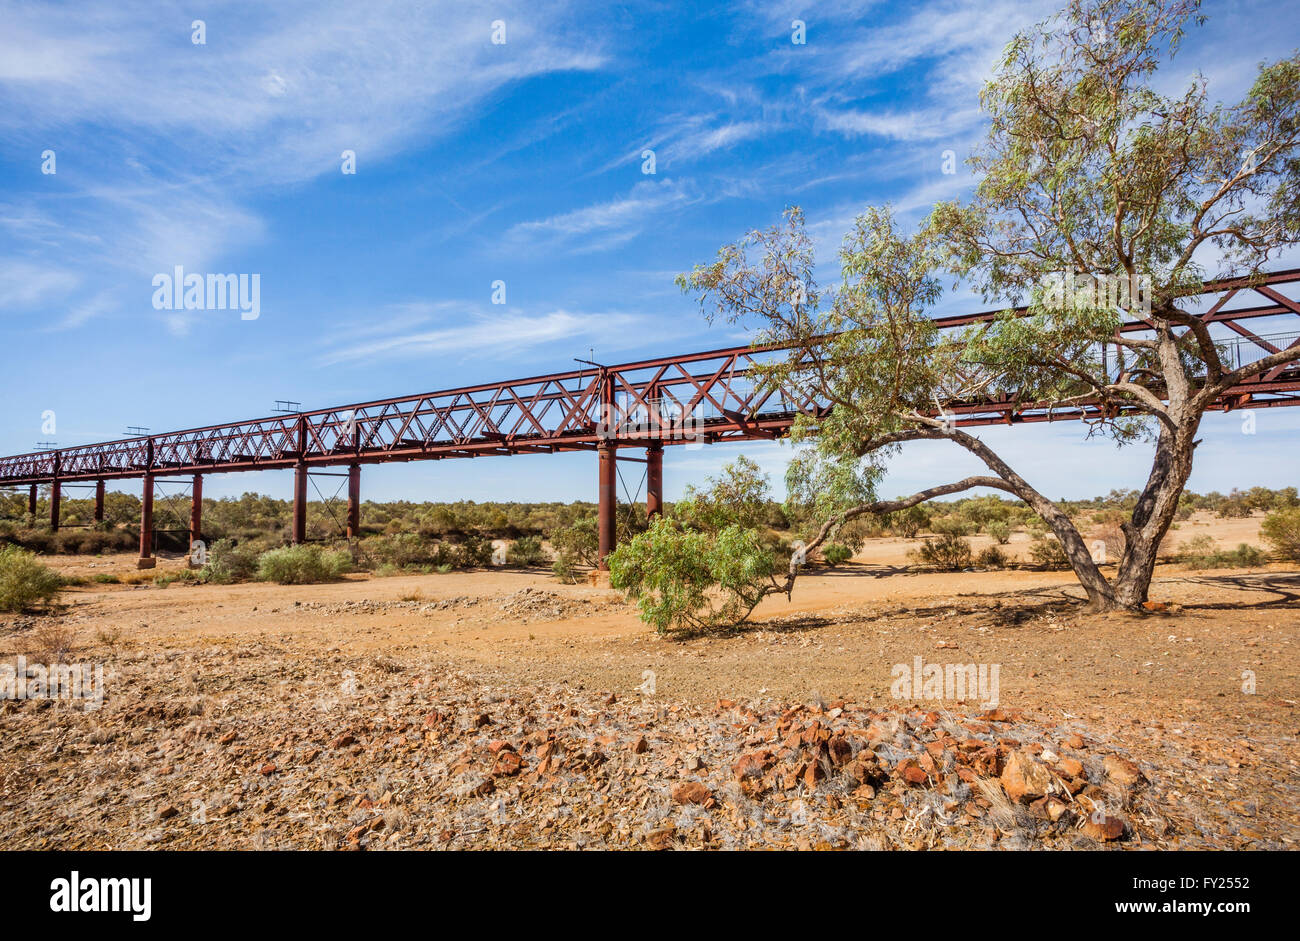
<point x="1155" y="512"/>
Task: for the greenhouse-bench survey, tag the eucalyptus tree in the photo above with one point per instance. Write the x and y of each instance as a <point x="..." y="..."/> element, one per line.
<point x="1101" y="198"/>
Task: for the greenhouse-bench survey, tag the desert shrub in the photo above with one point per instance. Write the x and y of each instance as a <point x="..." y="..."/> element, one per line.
<point x="578" y="542"/>
<point x="836" y="553"/>
<point x="24" y="581"/>
<point x="1281" y="530"/>
<point x="708" y="566"/>
<point x="301" y="565"/>
<point x="526" y="550"/>
<point x="948" y="552"/>
<point x="51" y="642"/>
<point x="950" y="526"/>
<point x="907" y="523"/>
<point x="473" y="552"/>
<point x="1203" y="553"/>
<point x="229" y="562"/>
<point x="1046" y="550"/>
<point x="993" y="558"/>
<point x="1000" y="530"/>
<point x="688" y="579"/>
<point x="565" y="567"/>
<point x="403" y="550"/>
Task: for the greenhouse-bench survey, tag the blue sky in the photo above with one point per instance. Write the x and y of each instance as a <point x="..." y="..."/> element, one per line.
<point x="477" y="162"/>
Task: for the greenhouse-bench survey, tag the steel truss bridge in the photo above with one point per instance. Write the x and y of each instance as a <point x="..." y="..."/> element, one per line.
<point x="708" y="397"/>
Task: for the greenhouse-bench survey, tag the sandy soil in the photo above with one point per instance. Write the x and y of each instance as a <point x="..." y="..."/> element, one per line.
<point x="1167" y="690"/>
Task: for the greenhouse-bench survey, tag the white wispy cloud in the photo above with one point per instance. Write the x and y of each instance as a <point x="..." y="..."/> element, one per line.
<point x="917" y="125"/>
<point x="24" y="284"/>
<point x="483" y="334"/>
<point x="181" y="139"/>
<point x="605" y="224"/>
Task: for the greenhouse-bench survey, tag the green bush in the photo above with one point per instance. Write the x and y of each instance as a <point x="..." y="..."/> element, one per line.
<point x="403" y="550"/>
<point x="992" y="558"/>
<point x="565" y="567"/>
<point x="1046" y="550"/>
<point x="1281" y="530"/>
<point x="1000" y="530"/>
<point x="948" y="553"/>
<point x="687" y="579"/>
<point x="473" y="552"/>
<point x="228" y="562"/>
<point x="836" y="553"/>
<point x="302" y="565"/>
<point x="25" y="581"/>
<point x="526" y="550"/>
<point x="1203" y="553"/>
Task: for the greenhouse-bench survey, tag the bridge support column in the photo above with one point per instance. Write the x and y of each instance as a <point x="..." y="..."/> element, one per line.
<point x="146" y="560"/>
<point x="31" y="503"/>
<point x="354" y="501"/>
<point x="605" y="520"/>
<point x="654" y="480"/>
<point x="196" y="510"/>
<point x="55" y="492"/>
<point x="299" y="503"/>
<point x="99" y="501"/>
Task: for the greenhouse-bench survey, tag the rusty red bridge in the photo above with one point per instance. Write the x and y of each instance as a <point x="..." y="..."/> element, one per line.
<point x="705" y="397"/>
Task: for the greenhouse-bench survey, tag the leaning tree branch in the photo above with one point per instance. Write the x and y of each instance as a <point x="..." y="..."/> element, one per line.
<point x="878" y="507"/>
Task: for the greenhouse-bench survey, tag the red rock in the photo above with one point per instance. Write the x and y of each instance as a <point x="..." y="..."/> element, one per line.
<point x="167" y="812"/>
<point x="1103" y="827"/>
<point x="343" y="741"/>
<point x="841" y="750"/>
<point x="228" y="738"/>
<point x="662" y="838"/>
<point x="1072" y="767"/>
<point x="751" y="764"/>
<point x="268" y="768"/>
<point x="1122" y="771"/>
<point x="690" y="792"/>
<point x="640" y="746"/>
<point x="507" y="763"/>
<point x="1024" y="779"/>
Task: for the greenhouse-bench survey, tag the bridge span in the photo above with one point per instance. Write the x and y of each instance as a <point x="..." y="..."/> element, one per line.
<point x="703" y="398"/>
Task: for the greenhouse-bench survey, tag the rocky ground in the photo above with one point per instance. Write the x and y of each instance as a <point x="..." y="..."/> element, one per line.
<point x="258" y="747"/>
<point x="505" y="709"/>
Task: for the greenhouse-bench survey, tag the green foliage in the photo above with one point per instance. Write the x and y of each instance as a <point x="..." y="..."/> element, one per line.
<point x="577" y="543"/>
<point x="992" y="558"/>
<point x="404" y="550"/>
<point x="302" y="565"/>
<point x="24" y="581"/>
<point x="1046" y="550"/>
<point x="836" y="553"/>
<point x="525" y="551"/>
<point x="687" y="579"/>
<point x="948" y="552"/>
<point x="907" y="523"/>
<point x="1202" y="552"/>
<point x="1281" y="530"/>
<point x="229" y="561"/>
<point x="738" y="497"/>
<point x="1000" y="530"/>
<point x="707" y="566"/>
<point x="473" y="552"/>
